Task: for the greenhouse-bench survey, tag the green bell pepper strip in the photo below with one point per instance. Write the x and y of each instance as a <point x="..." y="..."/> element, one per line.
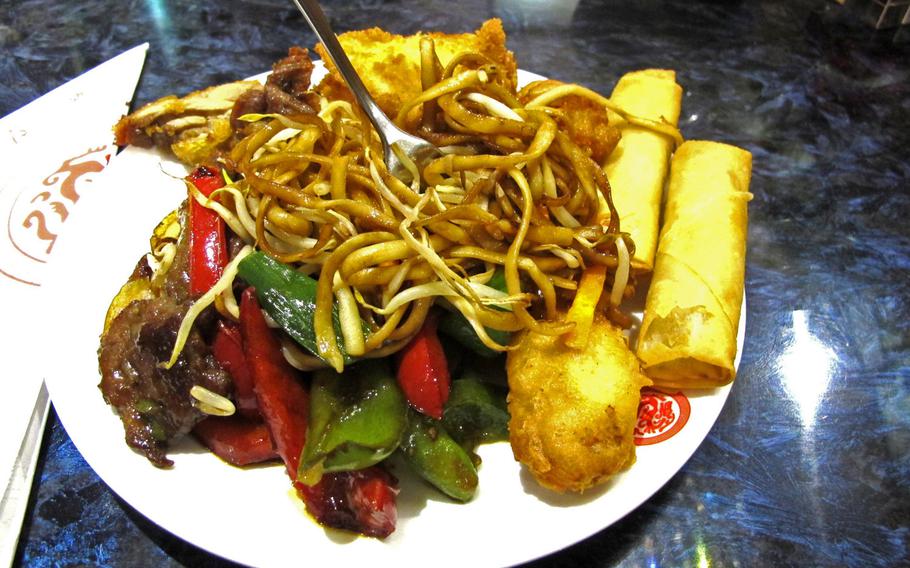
<point x="438" y="458"/>
<point x="476" y="412"/>
<point x="289" y="298"/>
<point x="357" y="419"/>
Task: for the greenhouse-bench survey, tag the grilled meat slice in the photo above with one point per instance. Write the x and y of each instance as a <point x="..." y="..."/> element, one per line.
<point x="140" y="329"/>
<point x="292" y="74"/>
<point x="193" y="127"/>
<point x="198" y="127"/>
<point x="154" y="403"/>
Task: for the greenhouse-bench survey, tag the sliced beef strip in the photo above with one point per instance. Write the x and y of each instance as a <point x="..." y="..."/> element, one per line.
<point x="292" y="74"/>
<point x="154" y="403"/>
<point x="286" y="91"/>
<point x="250" y="102"/>
<point x="281" y="102"/>
<point x="267" y="99"/>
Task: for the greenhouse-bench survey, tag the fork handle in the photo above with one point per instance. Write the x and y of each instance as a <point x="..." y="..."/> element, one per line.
<point x="318" y="21"/>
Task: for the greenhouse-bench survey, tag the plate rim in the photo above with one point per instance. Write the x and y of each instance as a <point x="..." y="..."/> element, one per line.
<point x="69" y="418"/>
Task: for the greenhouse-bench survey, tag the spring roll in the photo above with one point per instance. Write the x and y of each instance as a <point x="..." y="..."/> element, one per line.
<point x="691" y="317"/>
<point x="638" y="167"/>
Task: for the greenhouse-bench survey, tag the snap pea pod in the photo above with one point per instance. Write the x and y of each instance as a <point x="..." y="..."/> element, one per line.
<point x="356" y="420"/>
<point x="438" y="458"/>
<point x="289" y="298"/>
<point x="476" y="412"/>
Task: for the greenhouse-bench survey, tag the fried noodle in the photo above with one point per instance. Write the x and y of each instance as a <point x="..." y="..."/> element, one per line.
<point x="511" y="191"/>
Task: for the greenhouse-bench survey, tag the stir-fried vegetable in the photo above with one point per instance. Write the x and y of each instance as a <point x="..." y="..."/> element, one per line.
<point x="456" y="326"/>
<point x="227" y="347"/>
<point x="438" y="458"/>
<point x="237" y="440"/>
<point x="208" y="247"/>
<point x="356" y="420"/>
<point x="423" y="372"/>
<point x="363" y="500"/>
<point x="281" y="398"/>
<point x="288" y="296"/>
<point x="476" y="412"/>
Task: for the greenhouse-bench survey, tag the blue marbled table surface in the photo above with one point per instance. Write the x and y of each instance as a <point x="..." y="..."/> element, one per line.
<point x="809" y="463"/>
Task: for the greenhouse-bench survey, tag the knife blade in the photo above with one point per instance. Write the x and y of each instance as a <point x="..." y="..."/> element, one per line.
<point x="56" y="147"/>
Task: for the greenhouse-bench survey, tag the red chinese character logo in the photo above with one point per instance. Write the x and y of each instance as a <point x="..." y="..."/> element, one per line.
<point x="660" y="416"/>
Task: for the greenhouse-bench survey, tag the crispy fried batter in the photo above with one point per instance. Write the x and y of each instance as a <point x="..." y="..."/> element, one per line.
<point x="586" y="121"/>
<point x="573" y="412"/>
<point x="389" y="64"/>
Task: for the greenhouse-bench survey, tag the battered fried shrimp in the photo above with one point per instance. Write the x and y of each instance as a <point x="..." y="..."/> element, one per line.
<point x="573" y="412"/>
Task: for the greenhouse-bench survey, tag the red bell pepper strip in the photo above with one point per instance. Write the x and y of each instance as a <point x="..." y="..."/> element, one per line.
<point x="208" y="246"/>
<point x="423" y="373"/>
<point x="282" y="399"/>
<point x="237" y="440"/>
<point x="227" y="347"/>
<point x="361" y="501"/>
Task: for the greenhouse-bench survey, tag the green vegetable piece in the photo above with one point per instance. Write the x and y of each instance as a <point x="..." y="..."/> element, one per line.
<point x="438" y="458"/>
<point x="454" y="325"/>
<point x="147" y="406"/>
<point x="455" y="354"/>
<point x="476" y="412"/>
<point x="356" y="420"/>
<point x="157" y="429"/>
<point x="289" y="298"/>
<point x="498" y="280"/>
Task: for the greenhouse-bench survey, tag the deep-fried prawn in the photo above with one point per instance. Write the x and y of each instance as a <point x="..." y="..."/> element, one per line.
<point x="573" y="412"/>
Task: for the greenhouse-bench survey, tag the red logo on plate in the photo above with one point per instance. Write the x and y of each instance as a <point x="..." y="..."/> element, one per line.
<point x="660" y="416"/>
<point x="36" y="215"/>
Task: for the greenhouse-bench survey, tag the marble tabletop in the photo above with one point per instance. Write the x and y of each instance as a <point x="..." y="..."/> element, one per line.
<point x="809" y="462"/>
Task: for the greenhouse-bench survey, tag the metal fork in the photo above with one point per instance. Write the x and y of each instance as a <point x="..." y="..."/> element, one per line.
<point x="393" y="138"/>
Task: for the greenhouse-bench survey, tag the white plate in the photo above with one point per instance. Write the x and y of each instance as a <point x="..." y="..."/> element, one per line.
<point x="252" y="516"/>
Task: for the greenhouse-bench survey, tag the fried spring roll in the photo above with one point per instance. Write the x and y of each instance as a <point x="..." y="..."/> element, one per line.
<point x="691" y="317"/>
<point x="638" y="167"/>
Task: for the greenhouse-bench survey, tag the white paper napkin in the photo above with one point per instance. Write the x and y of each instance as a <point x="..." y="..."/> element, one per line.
<point x="54" y="149"/>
